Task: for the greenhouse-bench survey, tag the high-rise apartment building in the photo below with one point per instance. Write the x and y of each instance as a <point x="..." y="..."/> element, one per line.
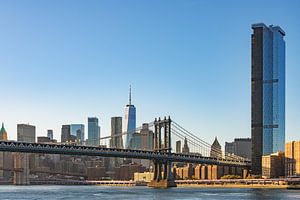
<point x="116" y="140"/>
<point x="240" y="147"/>
<point x="93" y="131"/>
<point x="130" y="121"/>
<point x="116" y="133"/>
<point x="178" y="146"/>
<point x="66" y="133"/>
<point x="77" y="130"/>
<point x="25" y="133"/>
<point x="185" y="148"/>
<point x="50" y="134"/>
<point x="147" y="136"/>
<point x="268" y="92"/>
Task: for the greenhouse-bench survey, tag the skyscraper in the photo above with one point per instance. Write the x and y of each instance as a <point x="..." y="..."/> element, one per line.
<point x="240" y="147"/>
<point x="268" y="92"/>
<point x="25" y="133"/>
<point x="185" y="148"/>
<point x="116" y="133"/>
<point x="178" y="146"/>
<point x="93" y="131"/>
<point x="77" y="130"/>
<point x="116" y="140"/>
<point x="215" y="149"/>
<point x="50" y="134"/>
<point x="130" y="120"/>
<point x="65" y="133"/>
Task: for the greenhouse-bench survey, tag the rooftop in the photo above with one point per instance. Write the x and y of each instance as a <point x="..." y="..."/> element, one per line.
<point x="271" y="27"/>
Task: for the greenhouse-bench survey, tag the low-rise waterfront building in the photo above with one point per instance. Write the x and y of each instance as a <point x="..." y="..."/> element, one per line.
<point x="273" y="165"/>
<point x="292" y="158"/>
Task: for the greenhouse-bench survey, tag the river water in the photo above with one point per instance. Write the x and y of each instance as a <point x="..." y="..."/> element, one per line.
<point x="123" y="193"/>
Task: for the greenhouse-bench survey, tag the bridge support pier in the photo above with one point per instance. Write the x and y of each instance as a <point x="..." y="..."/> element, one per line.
<point x="163" y="177"/>
<point x="245" y="173"/>
<point x="21" y="163"/>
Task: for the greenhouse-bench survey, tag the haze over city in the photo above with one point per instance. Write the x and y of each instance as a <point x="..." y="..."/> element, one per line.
<point x="187" y="59"/>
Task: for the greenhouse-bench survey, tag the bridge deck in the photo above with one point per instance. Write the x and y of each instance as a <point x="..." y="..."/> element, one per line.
<point x="25" y="147"/>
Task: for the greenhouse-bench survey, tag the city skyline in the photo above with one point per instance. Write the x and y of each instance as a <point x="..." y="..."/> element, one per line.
<point x="34" y="70"/>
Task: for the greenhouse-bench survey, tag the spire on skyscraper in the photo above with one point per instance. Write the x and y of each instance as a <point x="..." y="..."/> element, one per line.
<point x="129" y="120"/>
<point x="129" y="94"/>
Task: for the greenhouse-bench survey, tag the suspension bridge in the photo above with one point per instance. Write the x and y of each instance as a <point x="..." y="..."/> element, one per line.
<point x="160" y="150"/>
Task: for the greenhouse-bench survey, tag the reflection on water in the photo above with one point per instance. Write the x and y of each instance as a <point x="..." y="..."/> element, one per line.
<point x="123" y="193"/>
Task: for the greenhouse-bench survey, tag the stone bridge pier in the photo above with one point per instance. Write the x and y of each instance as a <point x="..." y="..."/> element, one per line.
<point x="21" y="169"/>
<point x="163" y="177"/>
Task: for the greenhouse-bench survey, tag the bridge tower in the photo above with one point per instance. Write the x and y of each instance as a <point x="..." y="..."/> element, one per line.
<point x="163" y="177"/>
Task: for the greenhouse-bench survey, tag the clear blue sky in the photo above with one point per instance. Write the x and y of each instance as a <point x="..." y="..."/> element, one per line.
<point x="62" y="61"/>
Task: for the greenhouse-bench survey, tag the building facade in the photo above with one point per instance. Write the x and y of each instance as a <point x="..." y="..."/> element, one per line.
<point x="77" y="130"/>
<point x="25" y="133"/>
<point x="50" y="134"/>
<point x="185" y="148"/>
<point x="116" y="133"/>
<point x="268" y="92"/>
<point x="93" y="131"/>
<point x="65" y="133"/>
<point x="215" y="149"/>
<point x="178" y="146"/>
<point x="240" y="147"/>
<point x="143" y="139"/>
<point x="292" y="158"/>
<point x="273" y="165"/>
<point x="3" y="133"/>
<point x="129" y="121"/>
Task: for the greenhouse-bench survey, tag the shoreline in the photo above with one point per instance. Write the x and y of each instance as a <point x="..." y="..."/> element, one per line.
<point x="229" y="186"/>
<point x="238" y="186"/>
<point x="180" y="184"/>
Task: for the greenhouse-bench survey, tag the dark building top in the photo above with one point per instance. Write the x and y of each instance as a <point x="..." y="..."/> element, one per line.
<point x="215" y="151"/>
<point x="216" y="143"/>
<point x="185" y="148"/>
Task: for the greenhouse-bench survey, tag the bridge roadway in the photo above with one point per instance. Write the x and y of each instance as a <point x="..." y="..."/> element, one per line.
<point x="25" y="147"/>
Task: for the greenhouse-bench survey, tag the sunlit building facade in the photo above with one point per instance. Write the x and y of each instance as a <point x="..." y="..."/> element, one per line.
<point x="292" y="158"/>
<point x="268" y="92"/>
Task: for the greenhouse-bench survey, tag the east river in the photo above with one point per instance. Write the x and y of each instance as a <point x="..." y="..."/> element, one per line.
<point x="123" y="193"/>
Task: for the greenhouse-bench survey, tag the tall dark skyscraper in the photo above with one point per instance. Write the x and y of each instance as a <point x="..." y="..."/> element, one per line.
<point x="268" y="92"/>
<point x="65" y="133"/>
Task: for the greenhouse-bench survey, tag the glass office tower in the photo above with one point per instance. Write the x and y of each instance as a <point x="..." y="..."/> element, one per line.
<point x="268" y="92"/>
<point x="77" y="130"/>
<point x="93" y="132"/>
<point x="129" y="121"/>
